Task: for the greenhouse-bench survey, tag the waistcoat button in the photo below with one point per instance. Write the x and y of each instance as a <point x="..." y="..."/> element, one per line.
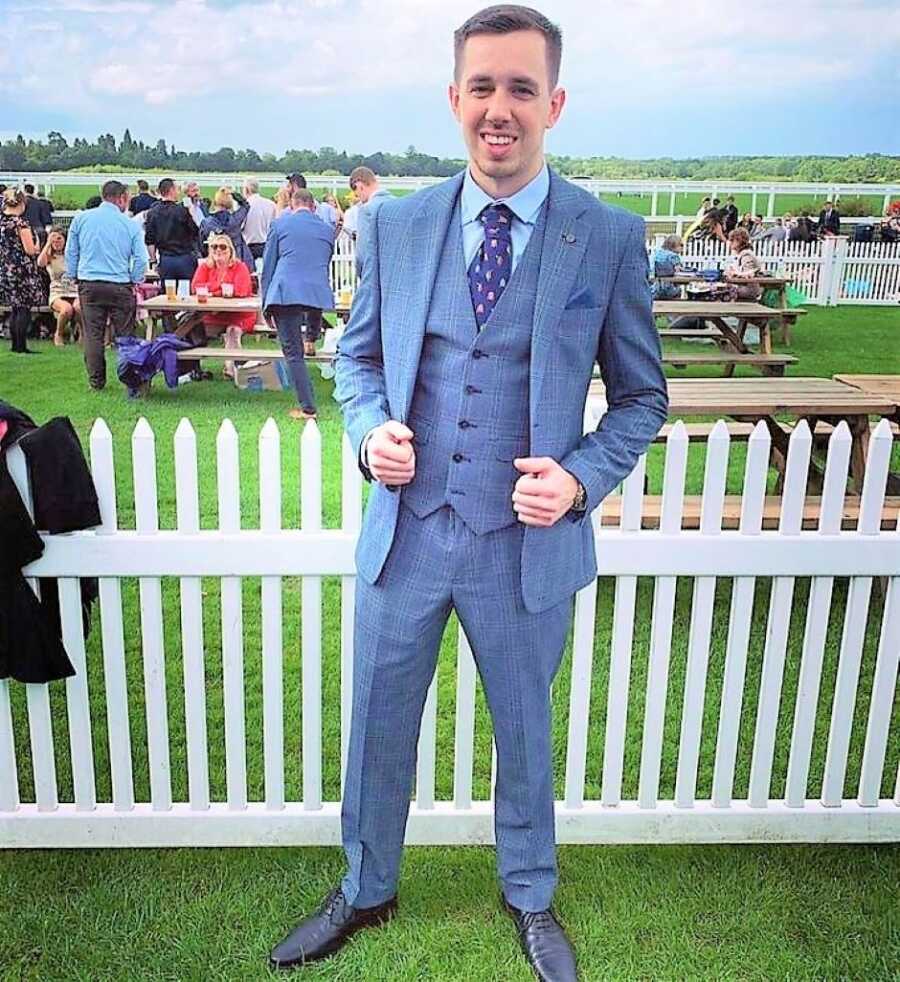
<point x="464" y="424"/>
<point x="458" y="458"/>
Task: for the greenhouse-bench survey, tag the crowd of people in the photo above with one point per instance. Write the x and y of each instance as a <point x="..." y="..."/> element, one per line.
<point x="93" y="276"/>
<point x="715" y="222"/>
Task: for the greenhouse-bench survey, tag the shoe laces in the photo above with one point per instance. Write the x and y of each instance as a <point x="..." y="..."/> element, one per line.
<point x="333" y="902"/>
<point x="540" y="920"/>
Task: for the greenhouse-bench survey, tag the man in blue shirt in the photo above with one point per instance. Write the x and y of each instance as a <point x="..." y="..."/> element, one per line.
<point x="364" y="184"/>
<point x="105" y="253"/>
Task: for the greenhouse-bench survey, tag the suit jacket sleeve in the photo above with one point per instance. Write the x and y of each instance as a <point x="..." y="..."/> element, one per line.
<point x="270" y="260"/>
<point x="359" y="368"/>
<point x="636" y="393"/>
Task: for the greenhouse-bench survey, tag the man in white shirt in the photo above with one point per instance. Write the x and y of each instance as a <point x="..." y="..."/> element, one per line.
<point x="259" y="218"/>
<point x="192" y="202"/>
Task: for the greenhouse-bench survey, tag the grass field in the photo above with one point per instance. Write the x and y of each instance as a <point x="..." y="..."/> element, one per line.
<point x="74" y="195"/>
<point x="634" y="912"/>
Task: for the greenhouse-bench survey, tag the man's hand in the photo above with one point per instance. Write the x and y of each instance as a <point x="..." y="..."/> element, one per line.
<point x="390" y="455"/>
<point x="544" y="493"/>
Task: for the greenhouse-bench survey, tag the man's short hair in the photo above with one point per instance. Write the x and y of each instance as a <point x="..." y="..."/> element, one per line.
<point x="302" y="198"/>
<point x="251" y="185"/>
<point x="362" y="175"/>
<point x="113" y="189"/>
<point x="165" y="185"/>
<point x="297" y="179"/>
<point x="28" y="188"/>
<point x="143" y="186"/>
<point x="673" y="243"/>
<point x="505" y="18"/>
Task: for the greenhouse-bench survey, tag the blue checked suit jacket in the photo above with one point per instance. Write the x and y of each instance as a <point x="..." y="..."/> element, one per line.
<point x="593" y="306"/>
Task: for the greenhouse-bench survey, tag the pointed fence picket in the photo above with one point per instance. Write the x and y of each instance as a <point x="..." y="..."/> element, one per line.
<point x="233" y="551"/>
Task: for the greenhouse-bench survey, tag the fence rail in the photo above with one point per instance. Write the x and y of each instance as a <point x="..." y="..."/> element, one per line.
<point x="175" y="718"/>
<point x="657" y="190"/>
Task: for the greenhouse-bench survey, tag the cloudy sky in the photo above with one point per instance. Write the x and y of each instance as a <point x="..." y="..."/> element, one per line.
<point x="644" y="77"/>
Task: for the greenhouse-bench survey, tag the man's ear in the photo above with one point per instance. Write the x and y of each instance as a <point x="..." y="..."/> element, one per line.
<point x="557" y="101"/>
<point x="453" y="96"/>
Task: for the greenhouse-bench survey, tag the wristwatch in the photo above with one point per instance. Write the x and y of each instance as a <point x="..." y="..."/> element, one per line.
<point x="580" y="502"/>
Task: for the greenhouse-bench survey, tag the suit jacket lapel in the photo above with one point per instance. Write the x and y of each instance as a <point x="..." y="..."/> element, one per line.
<point x="418" y="259"/>
<point x="565" y="241"/>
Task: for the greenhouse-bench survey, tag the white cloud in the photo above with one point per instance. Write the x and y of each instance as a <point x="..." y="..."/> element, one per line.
<point x="184" y="51"/>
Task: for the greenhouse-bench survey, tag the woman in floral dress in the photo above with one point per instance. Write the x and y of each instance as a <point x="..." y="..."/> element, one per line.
<point x="20" y="283"/>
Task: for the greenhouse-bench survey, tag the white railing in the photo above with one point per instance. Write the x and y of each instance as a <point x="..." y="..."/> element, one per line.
<point x="660" y="191"/>
<point x="749" y="792"/>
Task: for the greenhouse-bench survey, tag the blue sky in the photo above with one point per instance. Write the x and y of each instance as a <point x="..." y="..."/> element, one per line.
<point x="645" y="78"/>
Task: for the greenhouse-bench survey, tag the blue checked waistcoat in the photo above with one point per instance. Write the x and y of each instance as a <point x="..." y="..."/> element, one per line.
<point x="469" y="412"/>
<point x="407" y="355"/>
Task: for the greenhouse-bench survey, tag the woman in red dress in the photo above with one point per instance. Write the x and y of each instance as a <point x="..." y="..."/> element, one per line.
<point x="223" y="268"/>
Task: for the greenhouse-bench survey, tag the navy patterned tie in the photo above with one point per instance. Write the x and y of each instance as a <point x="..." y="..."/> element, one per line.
<point x="492" y="265"/>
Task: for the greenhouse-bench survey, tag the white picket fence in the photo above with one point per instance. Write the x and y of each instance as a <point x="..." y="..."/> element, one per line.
<point x="626" y="552"/>
<point x="832" y="271"/>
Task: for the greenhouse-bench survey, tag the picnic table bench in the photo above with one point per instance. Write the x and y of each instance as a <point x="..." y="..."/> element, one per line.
<point x="714" y="312"/>
<point x="753" y="399"/>
<point x="651" y="511"/>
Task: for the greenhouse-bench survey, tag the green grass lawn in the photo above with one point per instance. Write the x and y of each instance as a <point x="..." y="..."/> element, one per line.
<point x="689" y="203"/>
<point x="74" y="195"/>
<point x="635" y="912"/>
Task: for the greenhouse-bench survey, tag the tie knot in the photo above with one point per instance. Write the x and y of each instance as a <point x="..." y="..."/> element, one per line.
<point x="497" y="219"/>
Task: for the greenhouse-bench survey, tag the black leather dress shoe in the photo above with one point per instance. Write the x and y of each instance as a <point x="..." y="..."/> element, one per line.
<point x="328" y="930"/>
<point x="545" y="944"/>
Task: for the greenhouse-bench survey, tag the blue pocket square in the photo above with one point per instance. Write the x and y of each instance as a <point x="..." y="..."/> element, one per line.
<point x="581" y="299"/>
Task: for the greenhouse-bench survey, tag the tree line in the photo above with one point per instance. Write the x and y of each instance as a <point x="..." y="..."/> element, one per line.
<point x="56" y="153"/>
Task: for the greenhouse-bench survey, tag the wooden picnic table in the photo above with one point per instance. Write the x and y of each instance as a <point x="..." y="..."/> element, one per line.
<point x="779" y="283"/>
<point x="752" y="399"/>
<point x="190" y="306"/>
<point x="887" y="386"/>
<point x="714" y="312"/>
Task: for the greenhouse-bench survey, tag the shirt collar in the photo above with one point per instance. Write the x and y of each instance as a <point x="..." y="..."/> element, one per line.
<point x="524" y="204"/>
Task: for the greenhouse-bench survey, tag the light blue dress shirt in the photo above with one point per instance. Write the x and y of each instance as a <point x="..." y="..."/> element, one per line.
<point x="525" y="205"/>
<point x="328" y="213"/>
<point x="104" y="244"/>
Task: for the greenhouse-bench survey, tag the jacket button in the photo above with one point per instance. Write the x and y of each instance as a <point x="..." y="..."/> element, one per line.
<point x="458" y="458"/>
<point x="477" y="353"/>
<point x="464" y="424"/>
<point x="471" y="390"/>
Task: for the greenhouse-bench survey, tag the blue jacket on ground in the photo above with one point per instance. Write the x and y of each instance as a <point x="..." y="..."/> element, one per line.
<point x="140" y="360"/>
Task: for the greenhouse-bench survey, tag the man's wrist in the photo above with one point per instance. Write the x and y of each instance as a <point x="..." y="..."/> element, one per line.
<point x="579" y="503"/>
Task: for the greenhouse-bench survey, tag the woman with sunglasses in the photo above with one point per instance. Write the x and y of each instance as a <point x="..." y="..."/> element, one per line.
<point x="222" y="274"/>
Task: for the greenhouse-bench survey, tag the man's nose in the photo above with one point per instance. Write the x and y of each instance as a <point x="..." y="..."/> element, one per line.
<point x="498" y="111"/>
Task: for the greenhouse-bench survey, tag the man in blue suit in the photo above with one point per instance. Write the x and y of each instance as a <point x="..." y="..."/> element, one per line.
<point x="484" y="304"/>
<point x="295" y="288"/>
